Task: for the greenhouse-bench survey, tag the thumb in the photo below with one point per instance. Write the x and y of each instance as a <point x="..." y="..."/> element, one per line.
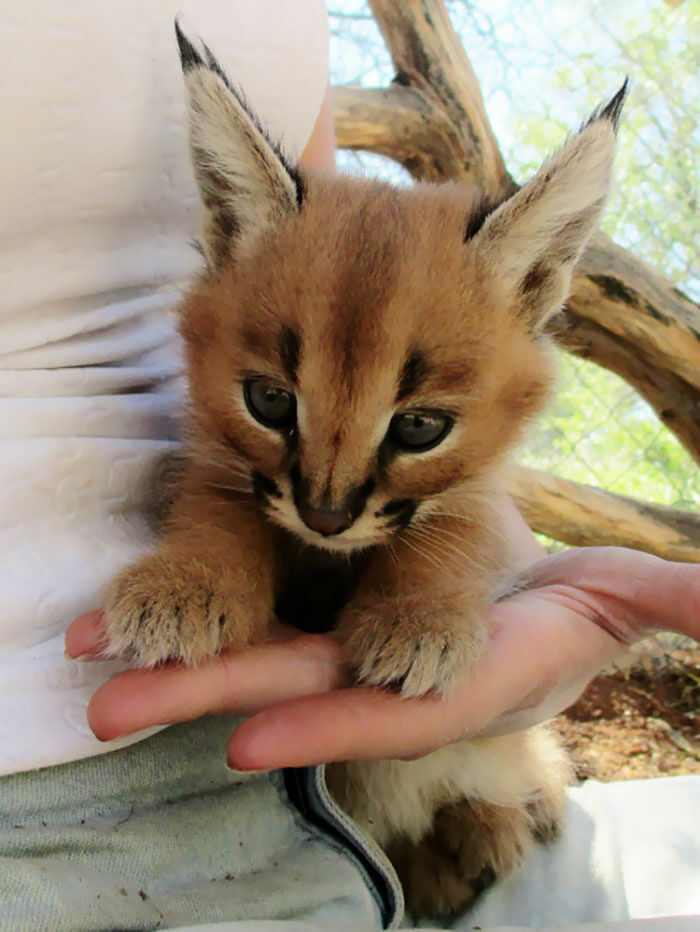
<point x="643" y="593"/>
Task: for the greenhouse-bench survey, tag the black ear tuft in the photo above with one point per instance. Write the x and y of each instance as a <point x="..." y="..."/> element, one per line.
<point x="213" y="65"/>
<point x="189" y="56"/>
<point x="613" y="109"/>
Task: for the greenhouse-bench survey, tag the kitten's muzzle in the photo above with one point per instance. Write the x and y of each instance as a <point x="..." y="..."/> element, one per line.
<point x="323" y="520"/>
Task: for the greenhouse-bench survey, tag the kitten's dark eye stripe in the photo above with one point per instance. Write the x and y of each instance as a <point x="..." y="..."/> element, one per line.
<point x="300" y="485"/>
<point x="400" y="513"/>
<point x="415" y="371"/>
<point x="289" y="345"/>
<point x="397" y="505"/>
<point x="263" y="485"/>
<point x="392" y="508"/>
<point x="357" y="499"/>
<point x="368" y="487"/>
<point x="385" y="454"/>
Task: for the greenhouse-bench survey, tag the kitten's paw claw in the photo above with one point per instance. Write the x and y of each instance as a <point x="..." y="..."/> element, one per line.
<point x="164" y="609"/>
<point x="400" y="645"/>
<point x="412" y="665"/>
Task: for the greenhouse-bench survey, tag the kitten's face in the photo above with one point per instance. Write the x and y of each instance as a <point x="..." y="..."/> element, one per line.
<point x="355" y="366"/>
<point x="360" y="355"/>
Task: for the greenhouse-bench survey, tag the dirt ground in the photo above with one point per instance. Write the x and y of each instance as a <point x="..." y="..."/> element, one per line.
<point x="643" y="721"/>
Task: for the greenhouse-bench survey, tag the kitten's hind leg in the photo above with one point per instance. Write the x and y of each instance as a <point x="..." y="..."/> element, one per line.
<point x="470" y="845"/>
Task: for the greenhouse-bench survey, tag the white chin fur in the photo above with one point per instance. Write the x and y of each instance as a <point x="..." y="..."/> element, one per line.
<point x="337" y="544"/>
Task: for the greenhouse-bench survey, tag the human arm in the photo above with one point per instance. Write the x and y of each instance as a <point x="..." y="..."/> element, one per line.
<point x="319" y="152"/>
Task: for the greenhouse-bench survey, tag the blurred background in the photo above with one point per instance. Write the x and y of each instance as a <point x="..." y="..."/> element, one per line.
<point x="543" y="68"/>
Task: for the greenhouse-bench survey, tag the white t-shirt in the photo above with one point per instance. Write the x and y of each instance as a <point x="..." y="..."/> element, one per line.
<point x="97" y="212"/>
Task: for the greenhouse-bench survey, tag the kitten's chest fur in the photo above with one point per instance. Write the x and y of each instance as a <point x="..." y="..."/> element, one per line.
<point x="313" y="586"/>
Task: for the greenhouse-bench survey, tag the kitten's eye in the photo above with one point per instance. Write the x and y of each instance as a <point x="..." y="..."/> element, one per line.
<point x="419" y="430"/>
<point x="269" y="404"/>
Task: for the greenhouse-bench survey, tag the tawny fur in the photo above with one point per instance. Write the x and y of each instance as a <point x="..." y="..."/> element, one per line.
<point x="509" y="770"/>
<point x="363" y="301"/>
<point x="469" y="845"/>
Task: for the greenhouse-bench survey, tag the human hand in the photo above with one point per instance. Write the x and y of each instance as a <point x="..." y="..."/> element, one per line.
<point x="574" y="612"/>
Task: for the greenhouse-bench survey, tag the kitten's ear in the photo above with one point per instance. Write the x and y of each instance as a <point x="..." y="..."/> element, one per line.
<point x="530" y="244"/>
<point x="244" y="180"/>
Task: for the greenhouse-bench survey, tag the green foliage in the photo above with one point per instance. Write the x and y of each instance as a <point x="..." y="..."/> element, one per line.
<point x="598" y="431"/>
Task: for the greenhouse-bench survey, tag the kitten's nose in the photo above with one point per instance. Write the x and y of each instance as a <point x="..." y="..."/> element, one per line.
<point x="323" y="520"/>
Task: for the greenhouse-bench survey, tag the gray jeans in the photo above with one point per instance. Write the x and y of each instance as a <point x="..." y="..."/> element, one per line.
<point x="162" y="834"/>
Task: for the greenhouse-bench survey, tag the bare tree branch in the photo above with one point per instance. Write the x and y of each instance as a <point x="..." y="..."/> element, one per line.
<point x="429" y="57"/>
<point x="643" y="308"/>
<point x="581" y="515"/>
<point x="399" y="122"/>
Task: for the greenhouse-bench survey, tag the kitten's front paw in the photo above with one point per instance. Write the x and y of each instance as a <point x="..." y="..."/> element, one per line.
<point x="166" y="608"/>
<point x="411" y="644"/>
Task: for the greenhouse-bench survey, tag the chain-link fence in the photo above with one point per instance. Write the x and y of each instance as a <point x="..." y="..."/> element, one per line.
<point x="542" y="68"/>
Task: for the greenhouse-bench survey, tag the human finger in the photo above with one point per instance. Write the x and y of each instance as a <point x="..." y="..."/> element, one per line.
<point x="85" y="637"/>
<point x="239" y="683"/>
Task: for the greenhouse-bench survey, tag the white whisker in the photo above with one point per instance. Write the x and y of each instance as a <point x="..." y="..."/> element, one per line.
<point x="423" y="553"/>
<point x="449" y="549"/>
